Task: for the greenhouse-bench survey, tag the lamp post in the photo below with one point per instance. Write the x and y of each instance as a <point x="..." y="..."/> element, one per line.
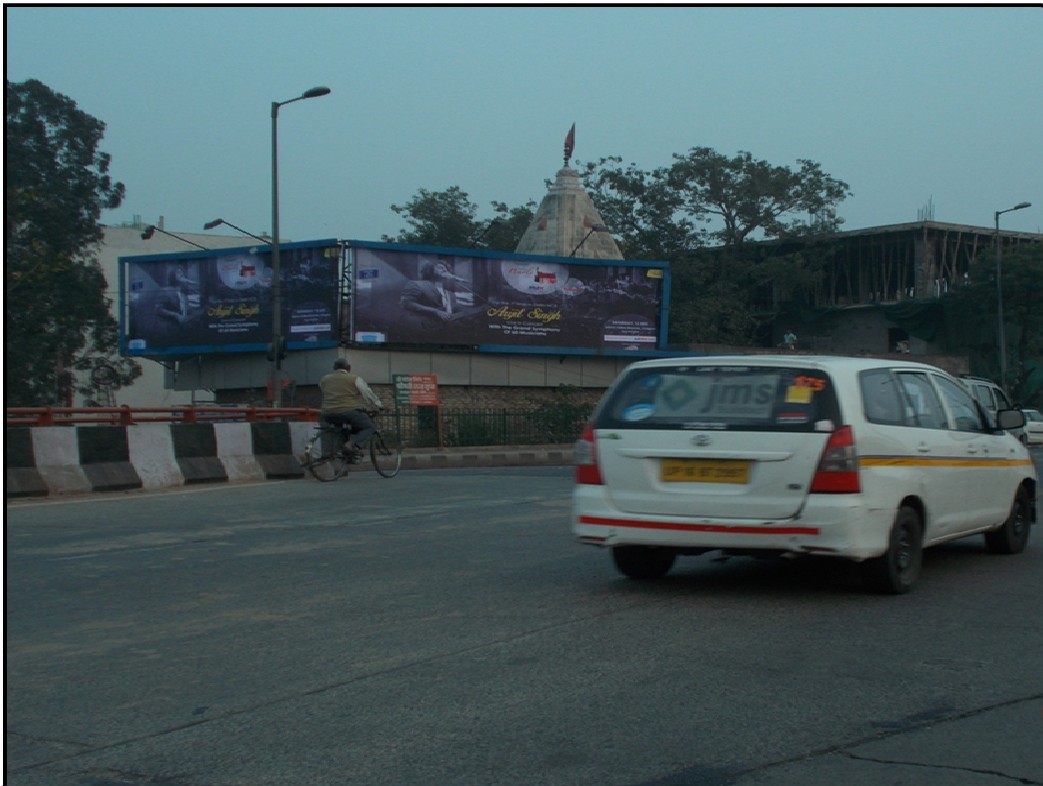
<point x="218" y="221"/>
<point x="277" y="338"/>
<point x="999" y="293"/>
<point x="593" y="229"/>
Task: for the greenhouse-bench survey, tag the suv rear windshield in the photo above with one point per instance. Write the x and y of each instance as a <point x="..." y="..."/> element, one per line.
<point x="732" y="398"/>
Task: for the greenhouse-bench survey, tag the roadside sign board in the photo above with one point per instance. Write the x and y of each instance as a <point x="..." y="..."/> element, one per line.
<point x="416" y="390"/>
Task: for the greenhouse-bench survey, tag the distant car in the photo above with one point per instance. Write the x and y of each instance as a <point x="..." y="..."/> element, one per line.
<point x="1033" y="427"/>
<point x="992" y="398"/>
<point x="869" y="460"/>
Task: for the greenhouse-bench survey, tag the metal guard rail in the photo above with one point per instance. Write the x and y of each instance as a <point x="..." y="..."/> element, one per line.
<point x="128" y="416"/>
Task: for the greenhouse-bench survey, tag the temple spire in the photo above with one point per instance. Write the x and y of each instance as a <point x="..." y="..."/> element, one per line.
<point x="567" y="224"/>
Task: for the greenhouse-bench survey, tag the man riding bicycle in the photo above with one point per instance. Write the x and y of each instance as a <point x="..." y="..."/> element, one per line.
<point x="345" y="400"/>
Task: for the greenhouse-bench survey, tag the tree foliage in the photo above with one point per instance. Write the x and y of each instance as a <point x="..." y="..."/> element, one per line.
<point x="641" y="211"/>
<point x="747" y="195"/>
<point x="698" y="214"/>
<point x="706" y="198"/>
<point x="971" y="323"/>
<point x="505" y="229"/>
<point x="57" y="316"/>
<point x="450" y="218"/>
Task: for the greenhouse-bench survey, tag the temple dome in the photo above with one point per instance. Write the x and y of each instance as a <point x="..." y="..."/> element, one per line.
<point x="565" y="219"/>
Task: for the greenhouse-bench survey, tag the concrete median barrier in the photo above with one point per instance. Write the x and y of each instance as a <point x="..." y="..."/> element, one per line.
<point x="65" y="460"/>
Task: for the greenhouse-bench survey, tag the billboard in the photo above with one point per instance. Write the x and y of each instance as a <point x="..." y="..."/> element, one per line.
<point x="506" y="302"/>
<point x="221" y="300"/>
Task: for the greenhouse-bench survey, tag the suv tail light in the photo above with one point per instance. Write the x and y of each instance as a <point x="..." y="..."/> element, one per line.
<point x="837" y="471"/>
<point x="585" y="457"/>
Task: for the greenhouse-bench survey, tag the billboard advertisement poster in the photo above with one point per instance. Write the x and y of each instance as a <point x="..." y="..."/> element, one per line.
<point x="221" y="300"/>
<point x="416" y="295"/>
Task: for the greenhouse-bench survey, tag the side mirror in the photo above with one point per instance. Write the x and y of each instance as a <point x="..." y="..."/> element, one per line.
<point x="1008" y="419"/>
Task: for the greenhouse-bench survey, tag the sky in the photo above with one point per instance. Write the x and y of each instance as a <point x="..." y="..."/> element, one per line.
<point x="910" y="106"/>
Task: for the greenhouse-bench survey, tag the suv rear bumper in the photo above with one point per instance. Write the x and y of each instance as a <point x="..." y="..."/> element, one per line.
<point x="838" y="525"/>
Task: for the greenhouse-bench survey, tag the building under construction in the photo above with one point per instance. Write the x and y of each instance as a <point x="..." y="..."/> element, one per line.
<point x="860" y="275"/>
<point x="889" y="264"/>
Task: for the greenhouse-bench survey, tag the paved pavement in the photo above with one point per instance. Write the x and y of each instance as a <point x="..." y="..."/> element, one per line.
<point x="990" y="747"/>
<point x="985" y="747"/>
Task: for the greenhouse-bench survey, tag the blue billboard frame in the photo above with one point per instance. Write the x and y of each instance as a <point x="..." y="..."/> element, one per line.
<point x="652" y="270"/>
<point x="317" y="263"/>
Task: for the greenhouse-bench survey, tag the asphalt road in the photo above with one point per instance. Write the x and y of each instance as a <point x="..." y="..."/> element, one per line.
<point x="442" y="628"/>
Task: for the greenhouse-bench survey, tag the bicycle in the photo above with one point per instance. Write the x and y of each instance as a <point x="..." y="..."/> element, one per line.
<point x="328" y="457"/>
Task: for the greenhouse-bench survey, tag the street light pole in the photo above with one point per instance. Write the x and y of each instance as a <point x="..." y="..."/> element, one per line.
<point x="1000" y="330"/>
<point x="277" y="338"/>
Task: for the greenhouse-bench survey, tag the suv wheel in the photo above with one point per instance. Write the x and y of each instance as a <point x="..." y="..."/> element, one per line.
<point x="643" y="562"/>
<point x="895" y="571"/>
<point x="1013" y="534"/>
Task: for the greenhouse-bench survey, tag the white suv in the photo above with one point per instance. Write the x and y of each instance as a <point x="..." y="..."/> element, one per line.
<point x="869" y="460"/>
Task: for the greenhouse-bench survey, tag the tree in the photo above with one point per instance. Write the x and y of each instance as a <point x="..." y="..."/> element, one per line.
<point x="438" y="218"/>
<point x="57" y="316"/>
<point x="706" y="199"/>
<point x="503" y="232"/>
<point x="449" y="218"/>
<point x="666" y="212"/>
<point x="749" y="195"/>
<point x="641" y="212"/>
<point x="971" y="327"/>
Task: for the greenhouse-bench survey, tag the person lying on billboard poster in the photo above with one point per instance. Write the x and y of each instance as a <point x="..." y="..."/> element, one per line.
<point x="429" y="303"/>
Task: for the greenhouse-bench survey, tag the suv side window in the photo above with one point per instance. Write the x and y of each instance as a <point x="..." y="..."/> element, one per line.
<point x="881" y="399"/>
<point x="924" y="406"/>
<point x="966" y="415"/>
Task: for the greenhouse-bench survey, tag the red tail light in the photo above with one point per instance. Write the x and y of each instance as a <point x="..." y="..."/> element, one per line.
<point x="837" y="471"/>
<point x="585" y="457"/>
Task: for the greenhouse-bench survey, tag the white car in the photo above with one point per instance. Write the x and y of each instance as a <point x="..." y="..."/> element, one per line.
<point x="992" y="398"/>
<point x="1033" y="427"/>
<point x="863" y="459"/>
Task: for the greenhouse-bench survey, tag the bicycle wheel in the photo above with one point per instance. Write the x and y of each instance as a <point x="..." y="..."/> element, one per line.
<point x="386" y="454"/>
<point x="324" y="461"/>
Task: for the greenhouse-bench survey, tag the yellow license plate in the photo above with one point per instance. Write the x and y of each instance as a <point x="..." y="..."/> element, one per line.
<point x="704" y="471"/>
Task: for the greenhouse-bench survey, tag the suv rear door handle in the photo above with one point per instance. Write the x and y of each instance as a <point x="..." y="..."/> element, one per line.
<point x="923" y="447"/>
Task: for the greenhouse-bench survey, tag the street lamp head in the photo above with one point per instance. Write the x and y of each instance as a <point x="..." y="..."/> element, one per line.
<point x="314" y="92"/>
<point x="1019" y="206"/>
<point x="218" y="221"/>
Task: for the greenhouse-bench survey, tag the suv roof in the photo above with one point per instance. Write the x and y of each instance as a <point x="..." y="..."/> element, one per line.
<point x="815" y="361"/>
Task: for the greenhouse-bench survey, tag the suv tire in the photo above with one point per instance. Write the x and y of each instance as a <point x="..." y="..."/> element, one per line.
<point x="643" y="562"/>
<point x="896" y="570"/>
<point x="1013" y="535"/>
